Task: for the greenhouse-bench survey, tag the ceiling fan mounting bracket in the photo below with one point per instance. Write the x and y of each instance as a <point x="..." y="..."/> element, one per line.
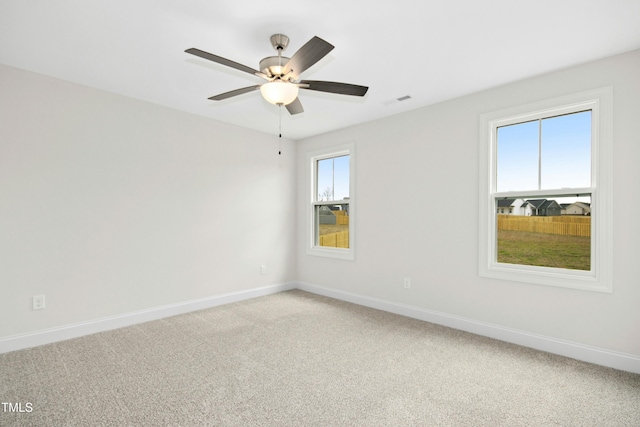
<point x="279" y="41"/>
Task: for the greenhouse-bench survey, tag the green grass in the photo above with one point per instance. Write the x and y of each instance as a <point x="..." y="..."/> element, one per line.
<point x="544" y="250"/>
<point x="332" y="228"/>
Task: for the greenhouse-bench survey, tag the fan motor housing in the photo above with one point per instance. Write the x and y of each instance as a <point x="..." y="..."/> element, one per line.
<point x="273" y="65"/>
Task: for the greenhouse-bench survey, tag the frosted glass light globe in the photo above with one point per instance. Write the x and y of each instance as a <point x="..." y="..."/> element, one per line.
<point x="279" y="92"/>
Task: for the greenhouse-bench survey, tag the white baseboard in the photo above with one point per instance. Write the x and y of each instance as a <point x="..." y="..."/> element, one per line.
<point x="47" y="336"/>
<point x="598" y="356"/>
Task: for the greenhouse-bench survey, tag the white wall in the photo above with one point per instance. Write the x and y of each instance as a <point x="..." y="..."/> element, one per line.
<point x="110" y="205"/>
<point x="417" y="205"/>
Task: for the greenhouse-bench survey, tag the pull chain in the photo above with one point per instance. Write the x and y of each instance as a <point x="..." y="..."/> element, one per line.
<point x="280" y="129"/>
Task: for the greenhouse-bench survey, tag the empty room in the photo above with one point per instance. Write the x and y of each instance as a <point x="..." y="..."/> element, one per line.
<point x="319" y="213"/>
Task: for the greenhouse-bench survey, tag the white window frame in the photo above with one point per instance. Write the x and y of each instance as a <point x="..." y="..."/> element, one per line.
<point x="312" y="161"/>
<point x="599" y="278"/>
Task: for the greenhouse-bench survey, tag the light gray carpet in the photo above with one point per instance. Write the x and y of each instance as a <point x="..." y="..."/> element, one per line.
<point x="298" y="359"/>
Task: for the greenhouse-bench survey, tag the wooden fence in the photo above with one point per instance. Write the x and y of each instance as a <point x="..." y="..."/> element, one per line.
<point x="335" y="240"/>
<point x="563" y="225"/>
<point x="341" y="217"/>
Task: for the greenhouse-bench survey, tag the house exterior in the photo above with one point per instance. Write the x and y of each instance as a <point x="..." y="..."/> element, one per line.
<point x="544" y="207"/>
<point x="326" y="215"/>
<point x="576" y="208"/>
<point x="514" y="207"/>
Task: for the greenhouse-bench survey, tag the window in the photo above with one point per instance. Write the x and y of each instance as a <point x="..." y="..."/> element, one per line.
<point x="331" y="208"/>
<point x="545" y="198"/>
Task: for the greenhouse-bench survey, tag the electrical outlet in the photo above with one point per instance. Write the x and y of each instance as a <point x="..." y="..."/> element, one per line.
<point x="407" y="282"/>
<point x="38" y="302"/>
<point x="263" y="269"/>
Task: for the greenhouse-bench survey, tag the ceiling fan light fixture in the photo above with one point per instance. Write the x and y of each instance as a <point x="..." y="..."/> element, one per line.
<point x="279" y="92"/>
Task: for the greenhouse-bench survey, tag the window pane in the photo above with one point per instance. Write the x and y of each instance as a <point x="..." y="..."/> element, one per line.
<point x="566" y="151"/>
<point x="332" y="225"/>
<point x="333" y="178"/>
<point x="544" y="232"/>
<point x="517" y="162"/>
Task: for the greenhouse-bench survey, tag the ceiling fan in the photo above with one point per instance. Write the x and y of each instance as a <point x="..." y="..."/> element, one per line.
<point x="282" y="74"/>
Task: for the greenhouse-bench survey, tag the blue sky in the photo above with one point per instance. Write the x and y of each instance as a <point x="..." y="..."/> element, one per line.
<point x="565" y="154"/>
<point x="334" y="174"/>
<point x="565" y="158"/>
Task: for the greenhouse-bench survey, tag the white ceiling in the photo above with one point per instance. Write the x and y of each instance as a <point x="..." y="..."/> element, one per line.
<point x="430" y="50"/>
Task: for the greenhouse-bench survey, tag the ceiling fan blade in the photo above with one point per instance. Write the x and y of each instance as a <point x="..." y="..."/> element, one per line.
<point x="313" y="51"/>
<point x="295" y="107"/>
<point x="234" y="93"/>
<point x="334" y="87"/>
<point x="225" y="61"/>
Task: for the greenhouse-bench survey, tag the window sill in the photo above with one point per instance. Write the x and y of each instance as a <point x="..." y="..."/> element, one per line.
<point x="336" y="253"/>
<point x="558" y="277"/>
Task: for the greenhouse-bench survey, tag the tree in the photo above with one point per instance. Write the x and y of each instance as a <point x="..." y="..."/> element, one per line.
<point x="326" y="195"/>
